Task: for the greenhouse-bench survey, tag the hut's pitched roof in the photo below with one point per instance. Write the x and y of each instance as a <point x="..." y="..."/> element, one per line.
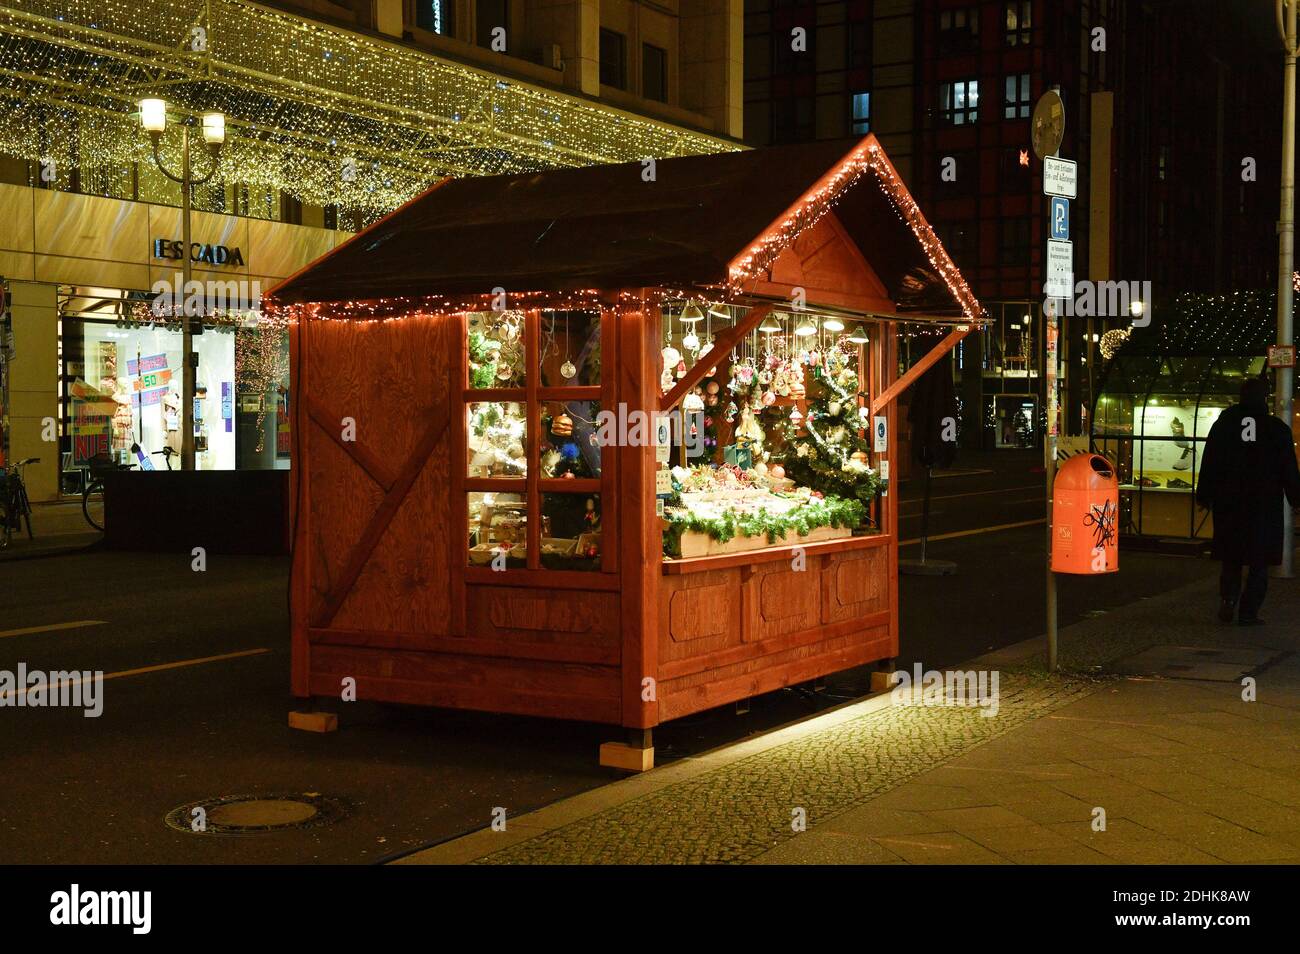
<point x="612" y="227"/>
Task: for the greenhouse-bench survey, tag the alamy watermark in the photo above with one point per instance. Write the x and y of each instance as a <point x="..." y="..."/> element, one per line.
<point x="951" y="687"/>
<point x="637" y="428"/>
<point x="193" y="298"/>
<point x="35" y="689"/>
<point x="75" y="907"/>
<point x="1121" y="299"/>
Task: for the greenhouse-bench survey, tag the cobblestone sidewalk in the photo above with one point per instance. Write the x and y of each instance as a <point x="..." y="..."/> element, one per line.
<point x="1076" y="768"/>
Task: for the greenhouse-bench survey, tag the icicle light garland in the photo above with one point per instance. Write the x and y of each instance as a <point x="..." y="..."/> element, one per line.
<point x="329" y="115"/>
<point x="869" y="157"/>
<point x="391" y="309"/>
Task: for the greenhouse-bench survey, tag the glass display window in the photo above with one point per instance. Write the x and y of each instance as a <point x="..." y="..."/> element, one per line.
<point x="495" y="341"/>
<point x="1161" y="394"/>
<point x="498" y="529"/>
<point x="570" y="445"/>
<point x="571" y="536"/>
<point x="497" y="439"/>
<point x="122" y="387"/>
<point x="534" y="467"/>
<point x="569" y="349"/>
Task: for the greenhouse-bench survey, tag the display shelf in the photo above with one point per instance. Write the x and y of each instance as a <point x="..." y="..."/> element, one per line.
<point x="676" y="567"/>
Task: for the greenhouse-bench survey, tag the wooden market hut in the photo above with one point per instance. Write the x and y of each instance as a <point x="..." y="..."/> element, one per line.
<point x="382" y="589"/>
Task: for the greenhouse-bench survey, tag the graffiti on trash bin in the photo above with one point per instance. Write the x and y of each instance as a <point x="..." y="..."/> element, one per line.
<point x="1102" y="521"/>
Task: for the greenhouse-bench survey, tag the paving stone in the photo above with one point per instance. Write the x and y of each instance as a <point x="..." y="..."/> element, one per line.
<point x="1008" y="840"/>
<point x="966" y="820"/>
<point x="820" y="847"/>
<point x="1157" y="851"/>
<point x="744" y="809"/>
<point x="1070" y="853"/>
<point x="943" y="848"/>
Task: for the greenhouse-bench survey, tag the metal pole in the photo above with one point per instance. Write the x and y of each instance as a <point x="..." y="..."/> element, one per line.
<point x="1049" y="468"/>
<point x="1286" y="258"/>
<point x="187" y="341"/>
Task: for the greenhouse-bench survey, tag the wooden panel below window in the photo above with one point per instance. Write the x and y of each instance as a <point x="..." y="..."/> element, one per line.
<point x="525" y="615"/>
<point x="493" y="684"/>
<point x="855" y="584"/>
<point x="699" y="613"/>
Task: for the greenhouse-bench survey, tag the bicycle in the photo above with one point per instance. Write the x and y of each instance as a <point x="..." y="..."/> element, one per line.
<point x="96" y="483"/>
<point x="15" y="507"/>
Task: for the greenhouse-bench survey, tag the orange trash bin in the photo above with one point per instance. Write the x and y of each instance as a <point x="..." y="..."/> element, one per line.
<point x="1085" y="511"/>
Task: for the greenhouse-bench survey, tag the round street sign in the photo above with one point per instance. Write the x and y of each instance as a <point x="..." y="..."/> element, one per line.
<point x="1048" y="124"/>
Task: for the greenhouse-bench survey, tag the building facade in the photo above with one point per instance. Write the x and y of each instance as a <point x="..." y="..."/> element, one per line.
<point x="335" y="114"/>
<point x="949" y="87"/>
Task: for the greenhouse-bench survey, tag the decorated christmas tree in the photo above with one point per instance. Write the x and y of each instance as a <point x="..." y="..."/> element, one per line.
<point x="827" y="453"/>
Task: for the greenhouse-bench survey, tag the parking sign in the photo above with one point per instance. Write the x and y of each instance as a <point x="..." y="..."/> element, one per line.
<point x="1060" y="219"/>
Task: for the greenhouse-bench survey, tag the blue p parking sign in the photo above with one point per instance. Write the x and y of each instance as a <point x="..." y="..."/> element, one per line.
<point x="1060" y="219"/>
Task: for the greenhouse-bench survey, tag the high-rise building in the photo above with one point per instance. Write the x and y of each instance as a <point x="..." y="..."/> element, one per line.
<point x="1172" y="111"/>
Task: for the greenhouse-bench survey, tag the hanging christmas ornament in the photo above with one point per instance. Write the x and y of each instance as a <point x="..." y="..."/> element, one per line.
<point x="567" y="370"/>
<point x="795" y="416"/>
<point x="768" y="399"/>
<point x="504" y="371"/>
<point x="776" y="472"/>
<point x="681" y="369"/>
<point x="705" y="349"/>
<point x="691" y="342"/>
<point x="730" y="415"/>
<point x="562" y="426"/>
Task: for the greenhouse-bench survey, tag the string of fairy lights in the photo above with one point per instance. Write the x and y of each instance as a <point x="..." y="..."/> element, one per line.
<point x="326" y="115"/>
<point x="868" y="157"/>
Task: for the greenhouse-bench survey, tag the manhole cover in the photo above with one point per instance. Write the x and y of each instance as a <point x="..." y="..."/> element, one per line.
<point x="252" y="814"/>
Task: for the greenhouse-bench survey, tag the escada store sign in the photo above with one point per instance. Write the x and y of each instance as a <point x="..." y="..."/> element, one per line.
<point x="211" y="254"/>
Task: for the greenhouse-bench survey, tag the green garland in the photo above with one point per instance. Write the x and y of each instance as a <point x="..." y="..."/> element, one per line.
<point x="829" y="512"/>
<point x="482" y="360"/>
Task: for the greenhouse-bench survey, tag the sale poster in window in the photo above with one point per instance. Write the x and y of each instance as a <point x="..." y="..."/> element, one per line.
<point x="1171" y="441"/>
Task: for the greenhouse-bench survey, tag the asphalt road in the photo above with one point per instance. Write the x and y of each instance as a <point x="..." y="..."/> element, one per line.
<point x="79" y="790"/>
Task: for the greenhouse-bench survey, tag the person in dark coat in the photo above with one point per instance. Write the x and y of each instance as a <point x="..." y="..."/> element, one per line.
<point x="1247" y="467"/>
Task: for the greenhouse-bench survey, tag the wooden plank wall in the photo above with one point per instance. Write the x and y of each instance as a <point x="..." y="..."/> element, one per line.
<point x="381" y="588"/>
<point x="733" y="633"/>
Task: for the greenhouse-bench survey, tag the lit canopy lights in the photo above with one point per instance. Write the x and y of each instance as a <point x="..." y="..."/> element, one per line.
<point x="868" y="157"/>
<point x="329" y="116"/>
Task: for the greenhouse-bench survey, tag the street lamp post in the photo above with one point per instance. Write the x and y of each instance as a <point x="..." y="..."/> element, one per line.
<point x="153" y="117"/>
<point x="1286" y="25"/>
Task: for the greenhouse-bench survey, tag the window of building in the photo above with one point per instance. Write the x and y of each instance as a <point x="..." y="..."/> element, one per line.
<point x="861" y="114"/>
<point x="491" y="15"/>
<point x="436" y="16"/>
<point x="959" y="102"/>
<point x="859" y="33"/>
<point x="1016" y="172"/>
<point x="654" y="73"/>
<point x="1014" y="241"/>
<point x="613" y="59"/>
<point x="1015" y="97"/>
<point x="793" y="119"/>
<point x="1019" y="22"/>
<point x="959" y="30"/>
<point x="961" y="176"/>
<point x="960" y="240"/>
